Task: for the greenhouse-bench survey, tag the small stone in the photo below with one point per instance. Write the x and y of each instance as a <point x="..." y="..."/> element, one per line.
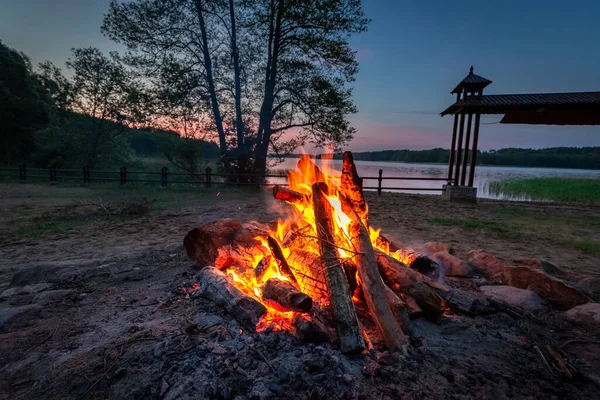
<point x="585" y="314"/>
<point x="348" y="378"/>
<point x="218" y="349"/>
<point x="522" y="299"/>
<point x="452" y="266"/>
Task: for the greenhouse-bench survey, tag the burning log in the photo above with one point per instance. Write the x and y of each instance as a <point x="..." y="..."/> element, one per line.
<point x="202" y="244"/>
<point x="286" y="295"/>
<point x="304" y="238"/>
<point x="261" y="268"/>
<point x="284" y="267"/>
<point x="289" y="195"/>
<point x="215" y="286"/>
<point x="429" y="295"/>
<point x="372" y="284"/>
<point x="349" y="333"/>
<point x="310" y="273"/>
<point x="418" y="261"/>
<point x="384" y="243"/>
<point x="351" y="189"/>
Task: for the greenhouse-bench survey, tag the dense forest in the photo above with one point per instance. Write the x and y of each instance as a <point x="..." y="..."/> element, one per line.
<point x="553" y="157"/>
<point x="95" y="118"/>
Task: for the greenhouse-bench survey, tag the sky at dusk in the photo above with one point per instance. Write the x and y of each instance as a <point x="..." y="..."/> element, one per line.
<point x="413" y="55"/>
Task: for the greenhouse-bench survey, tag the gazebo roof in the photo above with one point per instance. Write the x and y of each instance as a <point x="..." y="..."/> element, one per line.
<point x="578" y="108"/>
<point x="471" y="82"/>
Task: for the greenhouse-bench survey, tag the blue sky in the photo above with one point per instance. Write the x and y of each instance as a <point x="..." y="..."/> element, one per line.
<point x="412" y="56"/>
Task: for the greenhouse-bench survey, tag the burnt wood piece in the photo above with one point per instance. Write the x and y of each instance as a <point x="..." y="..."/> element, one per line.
<point x="414" y="311"/>
<point x="372" y="284"/>
<point x="215" y="286"/>
<point x="399" y="309"/>
<point x="384" y="243"/>
<point x="284" y="267"/>
<point x="286" y="295"/>
<point x="429" y="295"/>
<point x="418" y="261"/>
<point x="309" y="270"/>
<point x="349" y="333"/>
<point x="289" y="195"/>
<point x="351" y="189"/>
<point x="309" y="330"/>
<point x="202" y="244"/>
<point x="304" y="238"/>
<point x="306" y="166"/>
<point x="261" y="268"/>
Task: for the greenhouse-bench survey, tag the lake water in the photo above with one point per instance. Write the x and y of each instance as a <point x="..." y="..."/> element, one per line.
<point x="483" y="175"/>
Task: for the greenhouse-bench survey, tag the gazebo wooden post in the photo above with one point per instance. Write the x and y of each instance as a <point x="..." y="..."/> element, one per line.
<point x="474" y="150"/>
<point x="466" y="156"/>
<point x="459" y="148"/>
<point x="453" y="144"/>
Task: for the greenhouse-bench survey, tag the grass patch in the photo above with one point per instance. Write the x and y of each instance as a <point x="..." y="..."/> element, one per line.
<point x="499" y="228"/>
<point x="588" y="246"/>
<point x="553" y="189"/>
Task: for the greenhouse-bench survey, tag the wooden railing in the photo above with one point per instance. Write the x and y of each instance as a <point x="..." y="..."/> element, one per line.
<point x="87" y="175"/>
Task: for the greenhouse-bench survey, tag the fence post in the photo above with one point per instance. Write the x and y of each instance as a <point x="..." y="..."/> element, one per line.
<point x="86" y="175"/>
<point x="22" y="173"/>
<point x="53" y="173"/>
<point x="380" y="179"/>
<point x="208" y="177"/>
<point x="258" y="181"/>
<point x="123" y="175"/>
<point x="163" y="176"/>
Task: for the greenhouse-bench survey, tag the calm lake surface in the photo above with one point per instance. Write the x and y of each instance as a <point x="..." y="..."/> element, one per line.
<point x="483" y="175"/>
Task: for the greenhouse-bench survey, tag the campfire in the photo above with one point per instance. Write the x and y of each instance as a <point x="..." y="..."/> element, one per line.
<point x="322" y="266"/>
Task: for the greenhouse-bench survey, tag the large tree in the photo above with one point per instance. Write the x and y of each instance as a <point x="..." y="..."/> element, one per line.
<point x="25" y="106"/>
<point x="262" y="68"/>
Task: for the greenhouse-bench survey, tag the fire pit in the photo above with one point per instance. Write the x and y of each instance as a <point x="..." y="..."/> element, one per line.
<point x="320" y="267"/>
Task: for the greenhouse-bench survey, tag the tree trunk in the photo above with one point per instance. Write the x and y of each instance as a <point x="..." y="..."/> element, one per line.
<point x="349" y="333"/>
<point x="264" y="130"/>
<point x="210" y="80"/>
<point x="215" y="286"/>
<point x="372" y="284"/>
<point x="429" y="295"/>
<point x="286" y="296"/>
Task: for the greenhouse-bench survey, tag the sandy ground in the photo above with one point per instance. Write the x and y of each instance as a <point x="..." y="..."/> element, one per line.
<point x="106" y="337"/>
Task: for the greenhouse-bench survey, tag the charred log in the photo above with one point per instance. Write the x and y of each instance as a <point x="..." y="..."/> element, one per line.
<point x="309" y="330"/>
<point x="286" y="296"/>
<point x="372" y="284"/>
<point x="429" y="295"/>
<point x="349" y="333"/>
<point x="215" y="286"/>
<point x="418" y="261"/>
<point x="202" y="244"/>
<point x="309" y="270"/>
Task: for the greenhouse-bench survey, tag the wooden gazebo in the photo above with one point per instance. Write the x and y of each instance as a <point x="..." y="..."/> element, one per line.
<point x="579" y="108"/>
